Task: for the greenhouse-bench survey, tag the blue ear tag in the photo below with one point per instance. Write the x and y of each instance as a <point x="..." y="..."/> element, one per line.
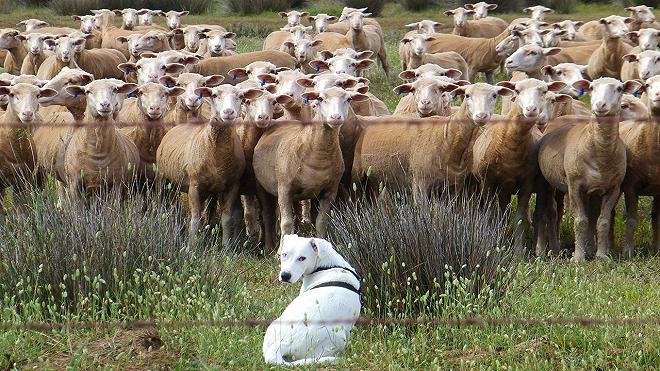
<point x="636" y="94"/>
<point x="75" y="95"/>
<point x="131" y="95"/>
<point x="305" y="100"/>
<point x="167" y="85"/>
<point x="262" y="82"/>
<point x="233" y="77"/>
<point x="398" y="92"/>
<point x="318" y="69"/>
<point x="581" y="92"/>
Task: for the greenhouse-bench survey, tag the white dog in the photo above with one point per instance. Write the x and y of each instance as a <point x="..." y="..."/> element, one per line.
<point x="316" y="325"/>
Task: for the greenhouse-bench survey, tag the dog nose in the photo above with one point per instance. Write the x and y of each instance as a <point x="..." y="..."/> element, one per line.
<point x="285" y="276"/>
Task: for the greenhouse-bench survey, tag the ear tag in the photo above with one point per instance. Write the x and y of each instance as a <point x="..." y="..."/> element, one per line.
<point x="636" y="94"/>
<point x="131" y="95"/>
<point x="126" y="73"/>
<point x="75" y="95"/>
<point x="167" y="85"/>
<point x="318" y="69"/>
<point x="581" y="93"/>
<point x="233" y="77"/>
<point x="199" y="97"/>
<point x="305" y="100"/>
<point x="262" y="82"/>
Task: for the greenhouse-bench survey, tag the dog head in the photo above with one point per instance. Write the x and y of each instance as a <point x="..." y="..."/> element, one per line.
<point x="299" y="256"/>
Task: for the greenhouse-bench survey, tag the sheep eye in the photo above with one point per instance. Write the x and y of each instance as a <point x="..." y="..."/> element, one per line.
<point x="494" y="96"/>
<point x="11" y="95"/>
<point x="301" y="259"/>
<point x="624" y="106"/>
<point x="558" y="73"/>
<point x="319" y="99"/>
<point x="467" y="96"/>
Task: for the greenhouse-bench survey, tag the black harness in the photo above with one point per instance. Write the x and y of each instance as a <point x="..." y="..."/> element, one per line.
<point x="341" y="284"/>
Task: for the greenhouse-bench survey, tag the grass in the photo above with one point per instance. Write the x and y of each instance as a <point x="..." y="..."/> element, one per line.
<point x="247" y="288"/>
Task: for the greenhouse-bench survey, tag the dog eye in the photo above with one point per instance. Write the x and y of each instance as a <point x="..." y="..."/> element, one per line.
<point x="301" y="259"/>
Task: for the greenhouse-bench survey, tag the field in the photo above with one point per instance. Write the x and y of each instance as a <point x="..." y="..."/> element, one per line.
<point x="113" y="271"/>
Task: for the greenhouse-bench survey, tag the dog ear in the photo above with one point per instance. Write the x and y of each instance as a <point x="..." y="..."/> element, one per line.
<point x="315" y="247"/>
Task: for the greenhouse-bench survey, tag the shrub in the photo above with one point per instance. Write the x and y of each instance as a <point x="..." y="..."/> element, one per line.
<point x="108" y="259"/>
<point x="375" y="6"/>
<point x="259" y="6"/>
<point x="431" y="257"/>
<point x="69" y="7"/>
<point x="416" y="5"/>
<point x="6" y="6"/>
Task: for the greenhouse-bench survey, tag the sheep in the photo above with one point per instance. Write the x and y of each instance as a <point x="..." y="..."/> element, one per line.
<point x="503" y="154"/>
<point x="194" y="37"/>
<point x="173" y="18"/>
<point x="64" y="56"/>
<point x="607" y="60"/>
<point x="287" y="83"/>
<point x="223" y="65"/>
<point x="98" y="156"/>
<point x="32" y="24"/>
<point x="480" y="9"/>
<point x="538" y="12"/>
<point x="276" y="39"/>
<point x="418" y="45"/>
<point x="304" y="50"/>
<point x="633" y="108"/>
<point x="147" y="16"/>
<point x="346" y="52"/>
<point x="143" y="118"/>
<point x="427" y="96"/>
<point x="647" y="39"/>
<point x="321" y="21"/>
<point x="34" y="43"/>
<point x="16" y="50"/>
<point x="593" y="30"/>
<point x="574" y="54"/>
<point x="343" y="25"/>
<point x="59" y="109"/>
<point x="333" y="41"/>
<point x="570" y="27"/>
<point x="219" y="44"/>
<point x="294" y="17"/>
<point x="189" y="108"/>
<point x="642" y="172"/>
<point x="366" y="37"/>
<point x="555" y="105"/>
<point x="17" y="154"/>
<point x="395" y="153"/>
<point x="429" y="70"/>
<point x="88" y="26"/>
<point x="111" y="33"/>
<point x="129" y="17"/>
<point x="643" y="17"/>
<point x="479" y="53"/>
<point x="587" y="160"/>
<point x="150" y="69"/>
<point x="152" y="41"/>
<point x="485" y="27"/>
<point x="207" y="161"/>
<point x="641" y="66"/>
<point x="342" y="64"/>
<point x="294" y="162"/>
<point x="424" y="27"/>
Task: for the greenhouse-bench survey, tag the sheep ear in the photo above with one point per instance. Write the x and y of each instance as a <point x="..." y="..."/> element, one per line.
<point x="175" y="91"/>
<point x="631" y="86"/>
<point x="404" y="89"/>
<point x="507" y="84"/>
<point x="304" y="14"/>
<point x="551" y="51"/>
<point x="491" y="6"/>
<point x="582" y="85"/>
<point x="469" y="12"/>
<point x="213" y="80"/>
<point x="76" y="18"/>
<point x="148" y="55"/>
<point x="283" y="99"/>
<point x="447" y="87"/>
<point x="459" y="91"/>
<point x="167" y="80"/>
<point x="142" y="11"/>
<point x="407" y="75"/>
<point x="364" y="54"/>
<point x="449" y="12"/>
<point x="310" y="95"/>
<point x="577" y="23"/>
<point x="202" y="36"/>
<point x="127" y="88"/>
<point x="127" y="68"/>
<point x="252" y="93"/>
<point x="122" y="39"/>
<point x="21" y="38"/>
<point x="547" y="70"/>
<point x="557" y="86"/>
<point x="316" y="43"/>
<point x="237" y="73"/>
<point x="468" y="6"/>
<point x="174" y="68"/>
<point x="49" y="42"/>
<point x="628" y="20"/>
<point x="633" y="36"/>
<point x="348" y="83"/>
<point x="462" y="82"/>
<point x="4" y="90"/>
<point x="364" y="64"/>
<point x="311" y="18"/>
<point x="362" y="89"/>
<point x="305" y="83"/>
<point x="505" y="91"/>
<point x="326" y="54"/>
<point x="453" y="73"/>
<point x="630" y="58"/>
<point x="412" y="25"/>
<point x="204" y="92"/>
<point x="563" y="98"/>
<point x="527" y="10"/>
<point x="319" y="65"/>
<point x="358" y="97"/>
<point x="21" y="23"/>
<point x="184" y="13"/>
<point x="267" y="78"/>
<point x="46" y="93"/>
<point x="283" y="14"/>
<point x="288" y="44"/>
<point x="332" y="18"/>
<point x="73" y="90"/>
<point x="430" y="38"/>
<point x="281" y="69"/>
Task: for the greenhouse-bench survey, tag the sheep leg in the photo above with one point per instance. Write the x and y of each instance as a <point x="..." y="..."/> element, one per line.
<point x="489" y="77"/>
<point x="252" y="227"/>
<point x="382" y="57"/>
<point x="608" y="204"/>
<point x="232" y="215"/>
<point x="541" y="218"/>
<point x="61" y="194"/>
<point x="581" y="223"/>
<point x="522" y="210"/>
<point x="268" y="204"/>
<point x="195" y="201"/>
<point x="287" y="214"/>
<point x="593" y="211"/>
<point x="655" y="224"/>
<point x="325" y="202"/>
<point x="631" y="222"/>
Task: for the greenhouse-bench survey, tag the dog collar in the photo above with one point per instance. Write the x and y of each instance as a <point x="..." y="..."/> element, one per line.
<point x="354" y="273"/>
<point x="343" y="285"/>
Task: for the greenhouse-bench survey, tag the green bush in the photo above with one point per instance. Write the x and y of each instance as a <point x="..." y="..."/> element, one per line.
<point x="69" y="7"/>
<point x="451" y="256"/>
<point x="112" y="258"/>
<point x="375" y="6"/>
<point x="259" y="6"/>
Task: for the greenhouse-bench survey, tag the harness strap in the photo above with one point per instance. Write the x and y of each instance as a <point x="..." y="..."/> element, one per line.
<point x="319" y="269"/>
<point x="343" y="285"/>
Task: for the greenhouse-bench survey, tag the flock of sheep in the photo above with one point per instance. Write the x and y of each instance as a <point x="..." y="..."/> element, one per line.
<point x="256" y="134"/>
